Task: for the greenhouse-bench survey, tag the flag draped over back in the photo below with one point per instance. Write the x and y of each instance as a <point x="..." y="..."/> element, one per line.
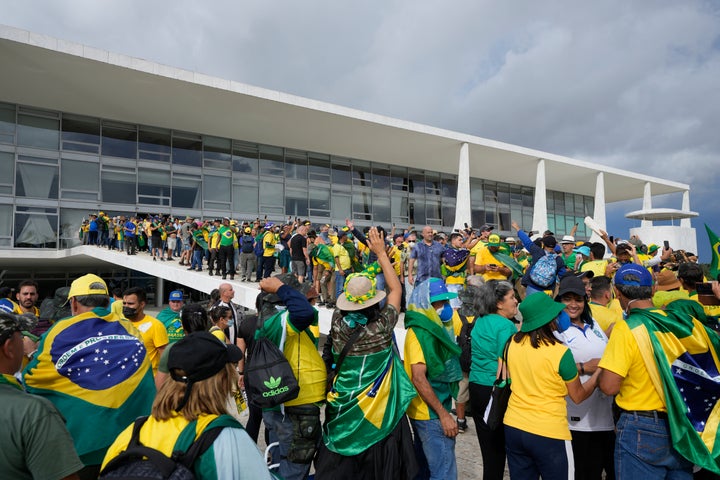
<point x="715" y="247"/>
<point x="681" y="356"/>
<point x="96" y="371"/>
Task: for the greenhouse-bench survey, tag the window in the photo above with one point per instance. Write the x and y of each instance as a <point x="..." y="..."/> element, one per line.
<point x="416" y="181"/>
<point x="245" y="159"/>
<point x="118" y="185"/>
<point x="341" y="172"/>
<point x="154" y="144"/>
<point x="296" y="166"/>
<point x="245" y="199"/>
<point x="432" y="184"/>
<point x="381" y="208"/>
<point x="320" y="199"/>
<point x="119" y="140"/>
<point x="153" y="187"/>
<point x="79" y="180"/>
<point x="319" y="167"/>
<point x="7" y="170"/>
<point x="38" y="129"/>
<point x="216" y="190"/>
<point x="361" y="176"/>
<point x="80" y="134"/>
<point x="362" y="206"/>
<point x="217" y="153"/>
<point x="399" y="179"/>
<point x="296" y="202"/>
<point x="187" y="150"/>
<point x="341" y="206"/>
<point x="7" y="123"/>
<point x="416" y="210"/>
<point x="186" y="191"/>
<point x="381" y="178"/>
<point x="36" y="227"/>
<point x="271" y="161"/>
<point x="399" y="209"/>
<point x="36" y="180"/>
<point x="449" y="186"/>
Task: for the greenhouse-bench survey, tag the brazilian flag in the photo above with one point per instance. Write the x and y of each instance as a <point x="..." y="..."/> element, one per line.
<point x="94" y="368"/>
<point x="323" y="256"/>
<point x="681" y="356"/>
<point x="715" y="247"/>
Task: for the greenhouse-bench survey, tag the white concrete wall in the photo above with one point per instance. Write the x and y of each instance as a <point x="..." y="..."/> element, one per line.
<point x="680" y="238"/>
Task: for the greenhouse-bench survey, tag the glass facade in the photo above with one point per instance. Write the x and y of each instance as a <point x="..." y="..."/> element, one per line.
<point x="56" y="168"/>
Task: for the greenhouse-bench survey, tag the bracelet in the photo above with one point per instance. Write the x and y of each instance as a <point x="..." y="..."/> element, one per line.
<point x="582" y="369"/>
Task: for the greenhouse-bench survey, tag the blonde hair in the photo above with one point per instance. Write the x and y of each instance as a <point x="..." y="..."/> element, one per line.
<point x="207" y="396"/>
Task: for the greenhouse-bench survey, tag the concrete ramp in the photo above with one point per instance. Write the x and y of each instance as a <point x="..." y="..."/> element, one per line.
<point x="245" y="292"/>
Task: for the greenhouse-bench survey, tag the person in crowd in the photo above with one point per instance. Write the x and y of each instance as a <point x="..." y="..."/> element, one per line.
<point x="476" y="243"/>
<point x="26" y="296"/>
<point x="299" y="257"/>
<point x="32" y="426"/>
<point x="495" y="307"/>
<point x="194" y="318"/>
<point x="366" y="434"/>
<point x="323" y="272"/>
<point x="591" y="422"/>
<point x="226" y="293"/>
<point x="194" y="399"/>
<point x="199" y="245"/>
<point x="600" y="302"/>
<point x="154" y="334"/>
<point x="296" y="324"/>
<point x="568" y="255"/>
<point x="643" y="446"/>
<point x="432" y="363"/>
<point x="454" y="265"/>
<point x="543" y="372"/>
<point x="488" y="262"/>
<point x="170" y="316"/>
<point x="171" y="238"/>
<point x="130" y="231"/>
<point x="105" y="385"/>
<point x="690" y="275"/>
<point x="427" y="256"/>
<point x="343" y="266"/>
<point x="222" y="319"/>
<point x="248" y="259"/>
<point x="226" y="249"/>
<point x="266" y="262"/>
<point x="539" y="249"/>
<point x="156" y="230"/>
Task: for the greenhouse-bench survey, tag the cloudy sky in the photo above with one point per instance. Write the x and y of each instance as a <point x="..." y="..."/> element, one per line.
<point x="634" y="85"/>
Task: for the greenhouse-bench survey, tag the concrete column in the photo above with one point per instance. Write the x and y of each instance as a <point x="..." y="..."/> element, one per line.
<point x="647" y="205"/>
<point x="463" y="211"/>
<point x="540" y="223"/>
<point x="599" y="211"/>
<point x="685" y="222"/>
<point x="159" y="291"/>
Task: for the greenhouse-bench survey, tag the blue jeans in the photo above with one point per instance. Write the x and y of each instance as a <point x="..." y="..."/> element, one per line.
<point x="280" y="429"/>
<point x="531" y="456"/>
<point x="434" y="451"/>
<point x="643" y="449"/>
<point x="197" y="260"/>
<point x="339" y="284"/>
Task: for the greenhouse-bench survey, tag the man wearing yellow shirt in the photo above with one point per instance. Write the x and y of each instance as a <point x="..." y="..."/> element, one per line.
<point x="644" y="447"/>
<point x="600" y="298"/>
<point x="343" y="265"/>
<point x="153" y="331"/>
<point x="433" y="365"/>
<point x="487" y="265"/>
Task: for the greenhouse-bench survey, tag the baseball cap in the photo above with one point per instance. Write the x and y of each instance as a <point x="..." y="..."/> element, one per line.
<point x="493" y="240"/>
<point x="439" y="291"/>
<point x="176" y="296"/>
<point x="200" y="355"/>
<point x="633" y="275"/>
<point x="487" y="228"/>
<point x="269" y="225"/>
<point x="571" y="284"/>
<point x="88" y="285"/>
<point x="510" y="240"/>
<point x="584" y="250"/>
<point x="549" y="241"/>
<point x="652" y="248"/>
<point x="248" y="230"/>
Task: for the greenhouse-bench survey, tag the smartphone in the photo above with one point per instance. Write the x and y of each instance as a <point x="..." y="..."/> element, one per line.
<point x="666" y="244"/>
<point x="466" y="225"/>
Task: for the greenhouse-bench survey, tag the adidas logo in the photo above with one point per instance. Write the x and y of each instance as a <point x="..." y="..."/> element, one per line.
<point x="272" y="382"/>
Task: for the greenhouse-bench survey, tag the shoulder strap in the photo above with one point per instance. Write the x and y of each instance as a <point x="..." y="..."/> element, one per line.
<point x="135" y="437"/>
<point x="463" y="319"/>
<point x="347" y="347"/>
<point x="199" y="446"/>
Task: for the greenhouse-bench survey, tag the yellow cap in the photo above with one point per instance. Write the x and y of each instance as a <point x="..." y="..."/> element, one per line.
<point x="88" y="285"/>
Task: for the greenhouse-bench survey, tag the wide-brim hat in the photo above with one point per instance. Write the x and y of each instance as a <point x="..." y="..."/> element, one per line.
<point x="360" y="292"/>
<point x="666" y="280"/>
<point x="538" y="309"/>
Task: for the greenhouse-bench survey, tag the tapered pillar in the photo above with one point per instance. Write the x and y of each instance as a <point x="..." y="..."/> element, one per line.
<point x="463" y="212"/>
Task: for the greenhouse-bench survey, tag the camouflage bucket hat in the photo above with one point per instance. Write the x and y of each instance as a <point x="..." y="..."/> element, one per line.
<point x="11" y="323"/>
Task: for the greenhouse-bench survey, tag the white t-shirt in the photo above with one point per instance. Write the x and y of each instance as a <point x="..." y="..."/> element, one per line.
<point x="595" y="413"/>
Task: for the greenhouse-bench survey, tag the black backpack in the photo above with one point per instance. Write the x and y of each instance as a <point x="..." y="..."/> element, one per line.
<point x="141" y="462"/>
<point x="465" y="343"/>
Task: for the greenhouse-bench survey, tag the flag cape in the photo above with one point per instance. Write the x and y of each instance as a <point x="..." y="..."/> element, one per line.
<point x="94" y="368"/>
<point x="369" y="398"/>
<point x="323" y="256"/>
<point x="715" y="247"/>
<point x="508" y="261"/>
<point x="681" y="356"/>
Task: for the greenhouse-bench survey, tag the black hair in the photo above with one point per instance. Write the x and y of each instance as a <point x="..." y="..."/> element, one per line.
<point x="138" y="291"/>
<point x="540" y="336"/>
<point x="28" y="283"/>
<point x="218" y="312"/>
<point x="491" y="293"/>
<point x="600" y="285"/>
<point x="586" y="314"/>
<point x="598" y="250"/>
<point x="93" y="300"/>
<point x="193" y="318"/>
<point x="690" y="273"/>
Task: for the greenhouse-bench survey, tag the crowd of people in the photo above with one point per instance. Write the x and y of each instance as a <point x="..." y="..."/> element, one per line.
<point x="611" y="353"/>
